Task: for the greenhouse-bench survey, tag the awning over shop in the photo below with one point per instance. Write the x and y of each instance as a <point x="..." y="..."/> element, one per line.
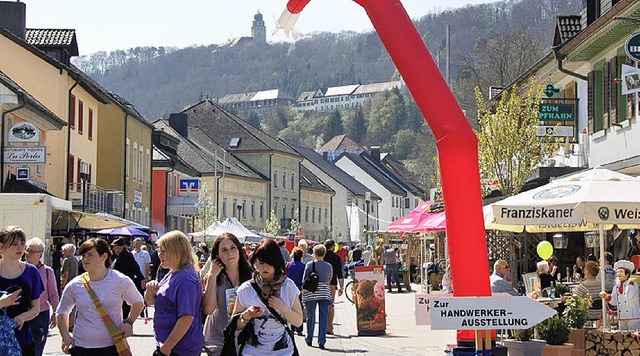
<point x="67" y="219"/>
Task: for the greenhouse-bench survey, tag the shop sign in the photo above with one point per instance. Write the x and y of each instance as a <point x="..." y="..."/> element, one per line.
<point x="632" y="47"/>
<point x="189" y="186"/>
<point x="554" y="131"/>
<point x="23" y="132"/>
<point x="22" y="173"/>
<point x="484" y="313"/>
<point x="137" y="198"/>
<point x="25" y="154"/>
<point x="630" y="80"/>
<point x="556" y="112"/>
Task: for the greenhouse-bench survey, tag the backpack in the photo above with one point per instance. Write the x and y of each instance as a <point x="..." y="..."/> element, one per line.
<point x="311" y="282"/>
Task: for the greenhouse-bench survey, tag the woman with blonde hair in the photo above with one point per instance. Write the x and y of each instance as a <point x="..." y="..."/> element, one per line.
<point x="177" y="298"/>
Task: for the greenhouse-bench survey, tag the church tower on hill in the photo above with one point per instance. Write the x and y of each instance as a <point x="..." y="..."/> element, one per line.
<point x="258" y="29"/>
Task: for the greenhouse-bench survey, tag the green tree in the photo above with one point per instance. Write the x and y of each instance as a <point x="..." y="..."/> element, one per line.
<point x="509" y="149"/>
<point x="356" y="126"/>
<point x="334" y="126"/>
<point x="385" y="119"/>
<point x="207" y="214"/>
<point x="272" y="225"/>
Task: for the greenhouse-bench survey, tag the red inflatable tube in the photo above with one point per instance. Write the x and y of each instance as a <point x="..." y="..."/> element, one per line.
<point x="457" y="145"/>
<point x="295" y="6"/>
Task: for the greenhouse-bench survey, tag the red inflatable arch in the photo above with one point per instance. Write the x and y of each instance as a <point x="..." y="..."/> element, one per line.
<point x="457" y="144"/>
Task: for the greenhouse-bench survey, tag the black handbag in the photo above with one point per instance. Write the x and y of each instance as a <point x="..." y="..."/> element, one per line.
<point x="233" y="344"/>
<point x="311" y="283"/>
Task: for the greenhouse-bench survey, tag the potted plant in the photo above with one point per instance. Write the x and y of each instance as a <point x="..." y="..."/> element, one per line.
<point x="523" y="344"/>
<point x="555" y="331"/>
<point x="576" y="312"/>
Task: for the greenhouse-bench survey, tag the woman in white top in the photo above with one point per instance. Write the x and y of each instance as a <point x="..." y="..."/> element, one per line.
<point x="90" y="334"/>
<point x="279" y="292"/>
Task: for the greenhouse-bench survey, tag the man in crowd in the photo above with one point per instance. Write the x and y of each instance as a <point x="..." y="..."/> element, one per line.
<point x="356" y="254"/>
<point x="336" y="279"/>
<point x="390" y="260"/>
<point x="499" y="282"/>
<point x="69" y="265"/>
<point x="125" y="263"/>
<point x="142" y="257"/>
<point x="343" y="253"/>
<point x="285" y="252"/>
<point x="366" y="255"/>
<point x="306" y="257"/>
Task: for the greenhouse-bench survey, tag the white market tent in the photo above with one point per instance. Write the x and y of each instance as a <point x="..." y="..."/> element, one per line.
<point x="231" y="225"/>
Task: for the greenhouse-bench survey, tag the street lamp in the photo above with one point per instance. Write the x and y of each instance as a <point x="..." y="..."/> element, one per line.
<point x="84" y="176"/>
<point x="367" y="200"/>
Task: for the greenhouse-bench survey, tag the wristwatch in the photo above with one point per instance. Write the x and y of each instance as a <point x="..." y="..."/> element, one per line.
<point x="243" y="320"/>
<point x="128" y="321"/>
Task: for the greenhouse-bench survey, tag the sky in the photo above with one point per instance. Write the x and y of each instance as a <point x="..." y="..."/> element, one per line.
<point x="121" y="24"/>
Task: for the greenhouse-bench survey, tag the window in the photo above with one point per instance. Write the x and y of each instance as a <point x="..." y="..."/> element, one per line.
<point x="284" y="181"/>
<point x="275" y="179"/>
<point x="141" y="164"/>
<point x="90" y="128"/>
<point x="293" y="189"/>
<point x="80" y="116"/>
<point x="147" y="164"/>
<point x="127" y="159"/>
<point x="235" y="203"/>
<point x="284" y="211"/>
<point x="90" y="174"/>
<point x="326" y="213"/>
<point x="72" y="111"/>
<point x="244" y="209"/>
<point x="293" y="212"/>
<point x="261" y="210"/>
<point x="306" y="214"/>
<point x="275" y="209"/>
<point x="78" y="179"/>
<point x="313" y="215"/>
<point x="320" y="215"/>
<point x="71" y="168"/>
<point x="224" y="207"/>
<point x="253" y="210"/>
<point x="134" y="154"/>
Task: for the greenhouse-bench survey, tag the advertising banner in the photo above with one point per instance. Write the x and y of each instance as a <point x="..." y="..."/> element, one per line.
<point x="369" y="300"/>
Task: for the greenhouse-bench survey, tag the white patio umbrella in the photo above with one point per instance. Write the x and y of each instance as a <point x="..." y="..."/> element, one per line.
<point x="597" y="196"/>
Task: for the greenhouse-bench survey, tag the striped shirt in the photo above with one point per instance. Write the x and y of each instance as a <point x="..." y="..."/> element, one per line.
<point x="591" y="287"/>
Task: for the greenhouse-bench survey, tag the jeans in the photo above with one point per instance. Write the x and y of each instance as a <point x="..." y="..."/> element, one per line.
<point x="392" y="271"/>
<point x="323" y="315"/>
<point x="299" y="328"/>
<point x="40" y="329"/>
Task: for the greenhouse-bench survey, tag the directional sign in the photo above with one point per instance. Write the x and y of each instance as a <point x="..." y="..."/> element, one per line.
<point x="486" y="313"/>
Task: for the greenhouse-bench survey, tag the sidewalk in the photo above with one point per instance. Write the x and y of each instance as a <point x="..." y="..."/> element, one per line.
<point x="402" y="337"/>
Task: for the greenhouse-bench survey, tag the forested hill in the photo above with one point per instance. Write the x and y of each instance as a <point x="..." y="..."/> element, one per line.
<point x="163" y="80"/>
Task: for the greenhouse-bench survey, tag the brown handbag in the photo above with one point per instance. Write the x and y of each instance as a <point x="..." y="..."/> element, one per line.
<point x="120" y="341"/>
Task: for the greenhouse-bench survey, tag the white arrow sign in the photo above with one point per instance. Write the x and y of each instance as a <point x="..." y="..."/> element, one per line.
<point x="486" y="313"/>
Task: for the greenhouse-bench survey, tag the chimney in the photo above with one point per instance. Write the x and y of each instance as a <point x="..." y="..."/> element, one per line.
<point x="13" y="17"/>
<point x="375" y="153"/>
<point x="180" y="123"/>
<point x="325" y="155"/>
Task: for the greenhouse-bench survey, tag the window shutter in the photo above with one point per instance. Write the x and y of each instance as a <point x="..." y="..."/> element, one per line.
<point x="613" y="99"/>
<point x="606" y="89"/>
<point x="590" y="102"/>
<point x="630" y="106"/>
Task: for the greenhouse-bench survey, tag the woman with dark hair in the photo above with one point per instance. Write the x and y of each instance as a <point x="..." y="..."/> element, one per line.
<point x="269" y="300"/>
<point x="554" y="269"/>
<point x="228" y="269"/>
<point x="18" y="275"/>
<point x="295" y="271"/>
<point x="90" y="334"/>
<point x="176" y="323"/>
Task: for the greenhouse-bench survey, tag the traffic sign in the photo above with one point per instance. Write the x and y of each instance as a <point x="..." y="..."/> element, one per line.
<point x="486" y="313"/>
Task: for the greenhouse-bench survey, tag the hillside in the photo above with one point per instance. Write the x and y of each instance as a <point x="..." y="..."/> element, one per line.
<point x="163" y="80"/>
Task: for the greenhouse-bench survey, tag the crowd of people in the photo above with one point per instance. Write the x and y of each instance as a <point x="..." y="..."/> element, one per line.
<point x="95" y="291"/>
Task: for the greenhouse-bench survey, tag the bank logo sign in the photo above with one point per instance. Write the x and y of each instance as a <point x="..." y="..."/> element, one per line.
<point x="556" y="192"/>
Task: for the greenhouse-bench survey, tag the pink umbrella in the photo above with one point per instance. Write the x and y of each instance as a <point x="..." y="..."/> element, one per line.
<point x="420" y="219"/>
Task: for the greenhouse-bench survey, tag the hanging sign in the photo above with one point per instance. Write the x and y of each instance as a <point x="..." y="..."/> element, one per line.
<point x="632" y="47"/>
<point x="23" y="132"/>
<point x="25" y="154"/>
<point x="630" y="79"/>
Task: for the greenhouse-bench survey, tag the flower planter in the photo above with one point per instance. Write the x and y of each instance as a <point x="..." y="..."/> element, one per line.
<point x="557" y="350"/>
<point x="525" y="348"/>
<point x="577" y="337"/>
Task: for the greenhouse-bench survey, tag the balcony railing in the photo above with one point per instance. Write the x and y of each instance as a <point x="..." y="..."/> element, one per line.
<point x="96" y="199"/>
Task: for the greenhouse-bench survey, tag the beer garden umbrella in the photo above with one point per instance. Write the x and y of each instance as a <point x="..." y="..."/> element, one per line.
<point x="595" y="198"/>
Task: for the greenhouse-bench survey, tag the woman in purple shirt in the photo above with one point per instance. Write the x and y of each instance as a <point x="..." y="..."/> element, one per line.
<point x="177" y="297"/>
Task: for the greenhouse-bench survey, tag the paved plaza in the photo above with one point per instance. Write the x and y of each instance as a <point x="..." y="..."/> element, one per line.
<point x="403" y="337"/>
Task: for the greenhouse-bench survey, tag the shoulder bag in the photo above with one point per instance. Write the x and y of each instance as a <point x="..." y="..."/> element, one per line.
<point x="121" y="343"/>
<point x="311" y="282"/>
<point x="276" y="315"/>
